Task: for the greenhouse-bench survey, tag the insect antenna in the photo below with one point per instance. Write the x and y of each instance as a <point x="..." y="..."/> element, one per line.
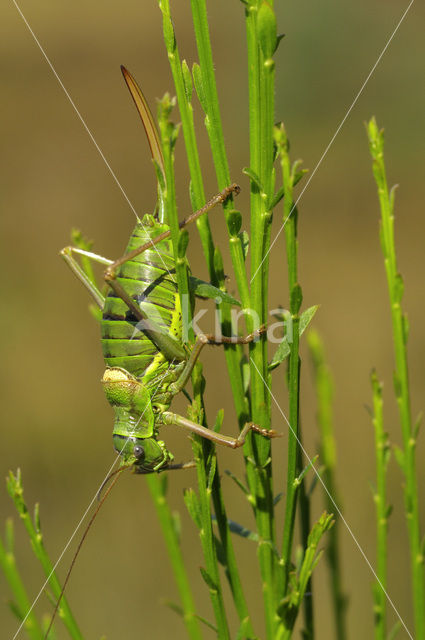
<point x="106" y="480"/>
<point x="80" y="544"/>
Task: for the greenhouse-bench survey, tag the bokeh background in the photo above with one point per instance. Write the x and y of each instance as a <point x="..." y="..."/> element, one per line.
<point x="56" y="425"/>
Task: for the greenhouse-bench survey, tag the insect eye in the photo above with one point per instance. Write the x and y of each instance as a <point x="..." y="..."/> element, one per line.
<point x="138" y="452"/>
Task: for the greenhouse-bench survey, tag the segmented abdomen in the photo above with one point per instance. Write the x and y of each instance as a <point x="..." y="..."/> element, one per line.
<point x="151" y="281"/>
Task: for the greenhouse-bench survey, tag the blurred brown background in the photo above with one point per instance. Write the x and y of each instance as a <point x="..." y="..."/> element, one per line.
<point x="56" y="424"/>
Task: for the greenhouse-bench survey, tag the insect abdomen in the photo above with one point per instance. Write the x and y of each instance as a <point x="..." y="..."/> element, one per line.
<point x="151" y="281"/>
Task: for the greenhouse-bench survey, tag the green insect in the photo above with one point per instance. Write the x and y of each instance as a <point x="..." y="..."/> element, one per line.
<point x="141" y="328"/>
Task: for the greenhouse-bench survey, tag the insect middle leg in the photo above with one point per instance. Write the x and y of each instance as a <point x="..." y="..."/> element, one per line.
<point x="201" y="340"/>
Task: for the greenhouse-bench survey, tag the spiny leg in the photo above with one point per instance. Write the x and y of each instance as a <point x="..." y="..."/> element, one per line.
<point x="218" y="438"/>
<point x="110" y="273"/>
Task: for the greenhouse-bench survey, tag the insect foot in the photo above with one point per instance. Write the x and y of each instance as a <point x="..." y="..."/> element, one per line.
<point x="267" y="433"/>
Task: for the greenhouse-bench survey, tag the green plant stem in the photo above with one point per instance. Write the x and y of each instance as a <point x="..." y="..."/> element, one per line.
<point x="15" y="489"/>
<point x="261" y="30"/>
<point x="380" y="496"/>
<point x="305" y="528"/>
<point x="290" y="222"/>
<point x="11" y="573"/>
<point x="324" y="393"/>
<point x="232" y="571"/>
<point x="205" y="451"/>
<point x="168" y="133"/>
<point x="299" y="583"/>
<point x="401" y="380"/>
<point x="157" y="488"/>
<point x="183" y="85"/>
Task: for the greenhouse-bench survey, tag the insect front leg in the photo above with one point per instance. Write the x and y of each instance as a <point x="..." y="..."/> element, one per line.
<point x="68" y="255"/>
<point x="228" y="441"/>
<point x="201" y="340"/>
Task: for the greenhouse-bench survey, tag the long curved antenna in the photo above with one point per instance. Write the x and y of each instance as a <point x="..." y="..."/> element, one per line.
<point x="80" y="544"/>
<point x="106" y="480"/>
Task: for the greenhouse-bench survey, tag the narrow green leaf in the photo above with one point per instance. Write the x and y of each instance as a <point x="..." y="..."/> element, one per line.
<point x="206" y="623"/>
<point x="234" y="222"/>
<point x="238" y="482"/>
<point x="298" y="175"/>
<point x="191" y="501"/>
<point x="244" y="631"/>
<point x="284" y="348"/>
<point x="212" y="466"/>
<point x="244" y="238"/>
<point x="169" y="35"/>
<point x="174" y="607"/>
<point x="388" y="511"/>
<point x="199" y="86"/>
<point x="207" y="579"/>
<point x="310" y="465"/>
<point x="417" y="425"/>
<point x="219" y="421"/>
<point x="394" y="631"/>
<point x="246" y="373"/>
<point x="187" y="80"/>
<point x="276" y="199"/>
<point x="399" y="456"/>
<point x="296" y="298"/>
<point x="207" y="290"/>
<point x="218" y="265"/>
<point x="253" y="177"/>
<point x="279" y="38"/>
<point x="221" y="556"/>
<point x="267" y="30"/>
<point x="15" y="610"/>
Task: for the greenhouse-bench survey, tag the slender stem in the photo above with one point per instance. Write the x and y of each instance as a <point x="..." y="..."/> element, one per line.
<point x="290" y="220"/>
<point x="230" y="558"/>
<point x="305" y="527"/>
<point x="11" y="573"/>
<point x="157" y="487"/>
<point x="380" y="497"/>
<point x="168" y="137"/>
<point x="261" y="30"/>
<point x="401" y="379"/>
<point x="15" y="489"/>
<point x="183" y="85"/>
<point x="206" y="468"/>
<point x="324" y="393"/>
<point x="205" y="84"/>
